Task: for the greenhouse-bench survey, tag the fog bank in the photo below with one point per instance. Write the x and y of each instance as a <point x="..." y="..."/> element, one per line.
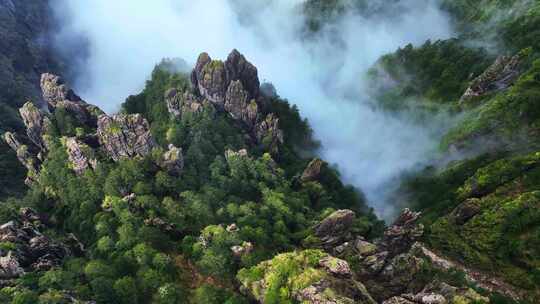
<point x="323" y="76"/>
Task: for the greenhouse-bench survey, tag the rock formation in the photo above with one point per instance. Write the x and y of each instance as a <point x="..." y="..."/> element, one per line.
<point x="29" y="249"/>
<point x="334" y="229"/>
<point x="80" y="155"/>
<point x="179" y="103"/>
<point x="312" y="171"/>
<point x="313" y="277"/>
<point x="232" y="86"/>
<point x="173" y="160"/>
<point x="36" y="123"/>
<point x="499" y="76"/>
<point x="25" y="157"/>
<point x="125" y="136"/>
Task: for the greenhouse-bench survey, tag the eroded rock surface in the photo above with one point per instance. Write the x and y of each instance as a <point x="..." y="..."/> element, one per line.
<point x="312" y="171"/>
<point x="125" y="136"/>
<point x="499" y="76"/>
<point x="173" y="160"/>
<point x="26" y="248"/>
<point x="80" y="155"/>
<point x="334" y="229"/>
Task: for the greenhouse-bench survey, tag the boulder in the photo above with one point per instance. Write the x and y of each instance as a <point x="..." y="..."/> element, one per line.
<point x="312" y="171"/>
<point x="125" y="136"/>
<point x="334" y="229"/>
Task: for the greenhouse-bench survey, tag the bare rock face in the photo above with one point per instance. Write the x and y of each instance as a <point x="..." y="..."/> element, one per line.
<point x="179" y="103"/>
<point x="125" y="136"/>
<point x="25" y="157"/>
<point x="173" y="160"/>
<point x="29" y="250"/>
<point x="238" y="68"/>
<point x="499" y="76"/>
<point x="312" y="171"/>
<point x="334" y="229"/>
<point x="210" y="78"/>
<point x="54" y="89"/>
<point x="79" y="155"/>
<point x="36" y="123"/>
<point x="239" y="106"/>
<point x="232" y="86"/>
<point x="58" y="95"/>
<point x="314" y="277"/>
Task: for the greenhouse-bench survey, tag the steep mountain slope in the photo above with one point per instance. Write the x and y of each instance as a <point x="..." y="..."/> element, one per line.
<point x="24" y="54"/>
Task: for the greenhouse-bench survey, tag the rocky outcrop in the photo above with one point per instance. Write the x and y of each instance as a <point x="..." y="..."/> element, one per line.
<point x="58" y="95"/>
<point x="334" y="229"/>
<point x="25" y="248"/>
<point x="36" y="123"/>
<point x="239" y="69"/>
<point x="268" y="133"/>
<point x="439" y="293"/>
<point x="125" y="136"/>
<point x="312" y="171"/>
<point x="80" y="155"/>
<point x="310" y="277"/>
<point x="232" y="86"/>
<point x="238" y="105"/>
<point x="178" y="103"/>
<point x="24" y="155"/>
<point x="173" y="160"/>
<point x="499" y="76"/>
<point x="54" y="90"/>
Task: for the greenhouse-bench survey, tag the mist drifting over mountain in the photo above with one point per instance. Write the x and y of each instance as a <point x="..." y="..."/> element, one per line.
<point x="323" y="75"/>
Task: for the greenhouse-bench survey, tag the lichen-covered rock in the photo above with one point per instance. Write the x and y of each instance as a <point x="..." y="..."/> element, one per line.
<point x="29" y="249"/>
<point x="238" y="105"/>
<point x="54" y="89"/>
<point x="405" y="231"/>
<point x="80" y="155"/>
<point x="36" y="123"/>
<point x="309" y="276"/>
<point x="179" y="103"/>
<point x="211" y="79"/>
<point x="334" y="229"/>
<point x="240" y="250"/>
<point x="238" y="68"/>
<point x="125" y="136"/>
<point x="312" y="171"/>
<point x="24" y="155"/>
<point x="59" y="95"/>
<point x="268" y="133"/>
<point x="173" y="160"/>
<point x="499" y="76"/>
